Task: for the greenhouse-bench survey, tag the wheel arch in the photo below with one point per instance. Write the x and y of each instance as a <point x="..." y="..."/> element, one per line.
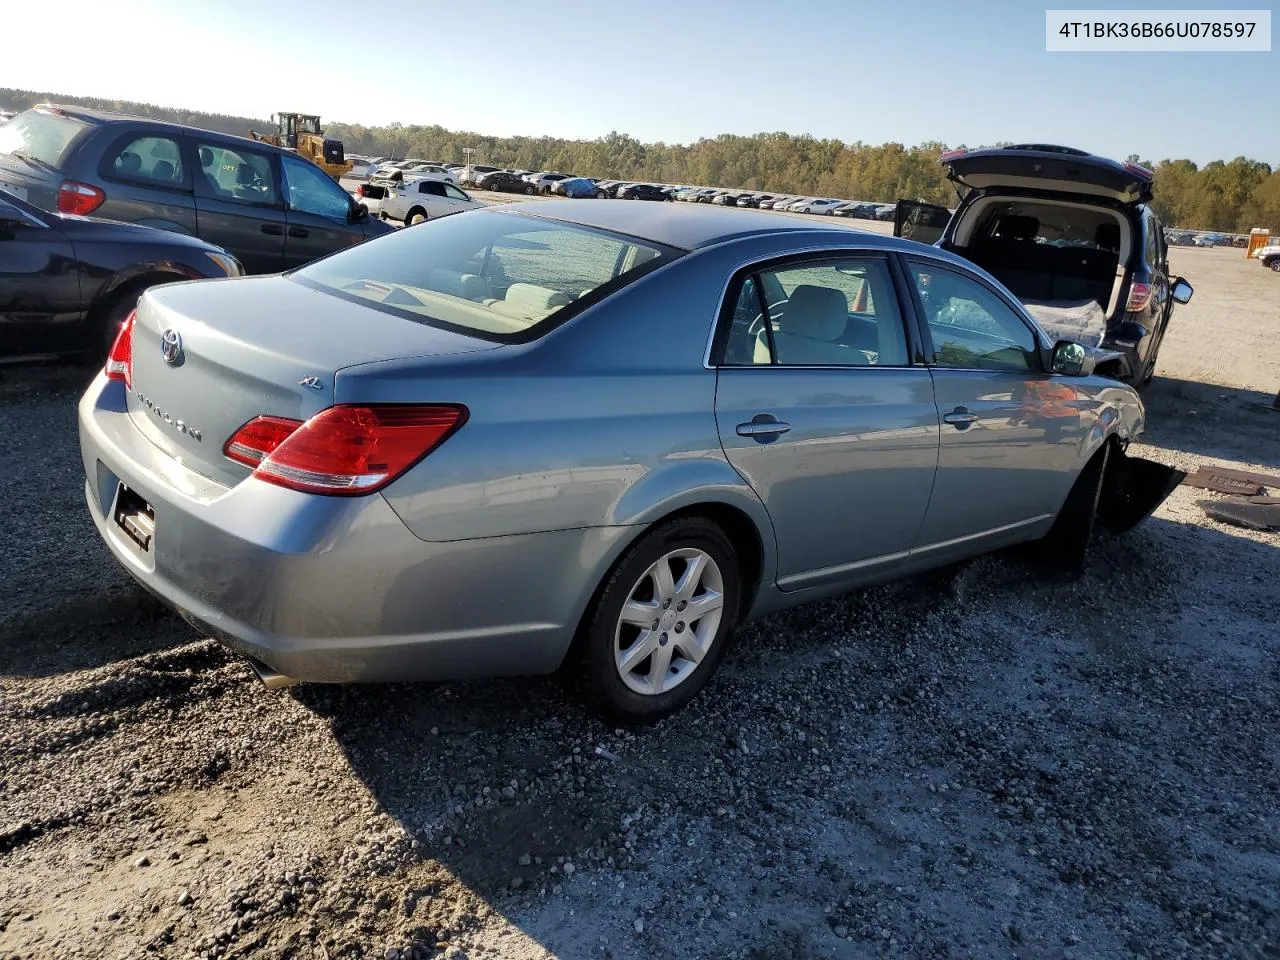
<point x="752" y="544"/>
<point x="125" y="283"/>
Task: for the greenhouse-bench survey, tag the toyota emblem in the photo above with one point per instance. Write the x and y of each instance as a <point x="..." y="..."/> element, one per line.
<point x="171" y="346"/>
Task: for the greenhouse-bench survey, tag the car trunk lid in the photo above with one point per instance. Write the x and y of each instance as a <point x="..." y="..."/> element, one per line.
<point x="1049" y="167"/>
<point x="30" y="182"/>
<point x="210" y="356"/>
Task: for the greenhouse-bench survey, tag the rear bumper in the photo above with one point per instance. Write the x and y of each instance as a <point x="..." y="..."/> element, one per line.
<point x="331" y="589"/>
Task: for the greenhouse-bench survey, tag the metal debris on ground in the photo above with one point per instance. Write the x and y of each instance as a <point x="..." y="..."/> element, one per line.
<point x="1244" y="482"/>
<point x="1255" y="513"/>
<point x="1205" y="480"/>
<point x="607" y="754"/>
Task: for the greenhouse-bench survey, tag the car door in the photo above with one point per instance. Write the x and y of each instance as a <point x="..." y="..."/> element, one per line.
<point x="1010" y="432"/>
<point x="432" y="198"/>
<point x="919" y="221"/>
<point x="822" y="412"/>
<point x="238" y="203"/>
<point x="458" y="199"/>
<point x="318" y="211"/>
<point x="148" y="181"/>
<point x="40" y="310"/>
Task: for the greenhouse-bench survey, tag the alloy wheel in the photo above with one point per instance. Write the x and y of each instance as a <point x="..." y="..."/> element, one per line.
<point x="669" y="621"/>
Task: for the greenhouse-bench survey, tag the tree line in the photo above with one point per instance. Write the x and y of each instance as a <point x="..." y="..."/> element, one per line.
<point x="1230" y="196"/>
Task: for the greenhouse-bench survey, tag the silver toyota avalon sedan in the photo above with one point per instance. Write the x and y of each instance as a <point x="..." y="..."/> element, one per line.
<point x="603" y="434"/>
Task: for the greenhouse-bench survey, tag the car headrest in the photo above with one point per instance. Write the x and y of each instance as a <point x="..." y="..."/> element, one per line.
<point x="163" y="170"/>
<point x="528" y="296"/>
<point x="206" y="157"/>
<point x="819" y="313"/>
<point x="130" y="162"/>
<point x="244" y="174"/>
<point x="1018" y="227"/>
<point x="466" y="286"/>
<point x="1107" y="236"/>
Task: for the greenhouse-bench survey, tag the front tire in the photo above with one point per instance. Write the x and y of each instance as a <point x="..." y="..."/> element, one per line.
<point x="661" y="624"/>
<point x="529" y="190"/>
<point x="1275" y="264"/>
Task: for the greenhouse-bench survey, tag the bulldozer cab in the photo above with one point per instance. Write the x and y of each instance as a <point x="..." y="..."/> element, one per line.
<point x="291" y="125"/>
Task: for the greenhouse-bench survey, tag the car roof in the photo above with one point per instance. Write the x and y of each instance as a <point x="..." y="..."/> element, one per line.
<point x="693" y="226"/>
<point x="105" y="117"/>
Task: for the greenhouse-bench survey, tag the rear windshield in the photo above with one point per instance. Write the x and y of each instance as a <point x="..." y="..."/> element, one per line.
<point x="40" y="136"/>
<point x="500" y="276"/>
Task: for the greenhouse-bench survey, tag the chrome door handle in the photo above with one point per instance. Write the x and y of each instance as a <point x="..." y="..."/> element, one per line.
<point x="763" y="428"/>
<point x="960" y="418"/>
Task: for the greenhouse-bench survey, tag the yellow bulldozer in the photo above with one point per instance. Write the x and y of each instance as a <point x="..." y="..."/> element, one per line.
<point x="301" y="133"/>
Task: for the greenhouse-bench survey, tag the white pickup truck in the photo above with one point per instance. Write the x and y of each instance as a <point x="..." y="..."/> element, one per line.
<point x="425" y="198"/>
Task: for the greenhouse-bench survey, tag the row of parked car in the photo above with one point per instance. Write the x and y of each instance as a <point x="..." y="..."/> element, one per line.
<point x="1189" y="238"/>
<point x="379" y="170"/>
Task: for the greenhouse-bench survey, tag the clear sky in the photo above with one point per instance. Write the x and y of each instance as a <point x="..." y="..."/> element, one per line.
<point x="674" y="70"/>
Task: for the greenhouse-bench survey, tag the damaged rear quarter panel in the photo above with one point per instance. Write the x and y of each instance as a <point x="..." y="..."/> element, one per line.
<point x="1132" y="487"/>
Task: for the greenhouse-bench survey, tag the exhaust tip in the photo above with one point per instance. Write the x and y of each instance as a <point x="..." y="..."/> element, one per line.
<point x="271" y="679"/>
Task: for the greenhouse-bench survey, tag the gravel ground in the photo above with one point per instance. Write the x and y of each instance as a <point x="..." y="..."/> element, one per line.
<point x="988" y="762"/>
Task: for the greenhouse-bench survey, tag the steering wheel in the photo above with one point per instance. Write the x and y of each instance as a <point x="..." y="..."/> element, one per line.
<point x="756" y="326"/>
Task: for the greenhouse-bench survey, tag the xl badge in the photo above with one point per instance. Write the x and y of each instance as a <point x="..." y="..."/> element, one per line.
<point x="171" y="346"/>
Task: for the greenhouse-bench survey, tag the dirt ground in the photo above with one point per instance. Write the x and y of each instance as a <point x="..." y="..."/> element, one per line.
<point x="987" y="762"/>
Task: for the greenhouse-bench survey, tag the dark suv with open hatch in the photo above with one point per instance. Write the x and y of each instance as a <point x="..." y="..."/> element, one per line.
<point x="1071" y="236"/>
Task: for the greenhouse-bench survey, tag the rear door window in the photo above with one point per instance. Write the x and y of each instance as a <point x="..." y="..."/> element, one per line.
<point x="151" y="159"/>
<point x="237" y="175"/>
<point x="839" y="313"/>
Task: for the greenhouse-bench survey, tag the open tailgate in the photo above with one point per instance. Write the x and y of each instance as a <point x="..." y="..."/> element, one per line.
<point x="1040" y="166"/>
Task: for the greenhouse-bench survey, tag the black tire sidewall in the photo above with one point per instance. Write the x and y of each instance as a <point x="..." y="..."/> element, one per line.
<point x="114" y="318"/>
<point x="600" y="674"/>
<point x="1067" y="543"/>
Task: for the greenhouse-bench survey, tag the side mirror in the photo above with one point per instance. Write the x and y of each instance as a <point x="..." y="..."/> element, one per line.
<point x="1071" y="359"/>
<point x="358" y="212"/>
<point x="1182" y="290"/>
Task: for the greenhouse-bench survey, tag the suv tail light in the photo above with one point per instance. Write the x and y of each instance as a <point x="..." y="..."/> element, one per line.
<point x="1140" y="171"/>
<point x="120" y="358"/>
<point x="79" y="198"/>
<point x="343" y="450"/>
<point x="1139" y="297"/>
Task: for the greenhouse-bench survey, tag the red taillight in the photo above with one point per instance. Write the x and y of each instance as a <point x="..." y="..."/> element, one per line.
<point x="120" y="358"/>
<point x="345" y="449"/>
<point x="79" y="198"/>
<point x="258" y="439"/>
<point x="1141" y="171"/>
<point x="360" y="191"/>
<point x="1139" y="297"/>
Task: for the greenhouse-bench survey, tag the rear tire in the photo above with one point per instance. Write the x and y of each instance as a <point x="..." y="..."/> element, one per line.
<point x="113" y="320"/>
<point x="416" y="216"/>
<point x="1066" y="544"/>
<point x="529" y="191"/>
<point x="1275" y="264"/>
<point x="683" y="654"/>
